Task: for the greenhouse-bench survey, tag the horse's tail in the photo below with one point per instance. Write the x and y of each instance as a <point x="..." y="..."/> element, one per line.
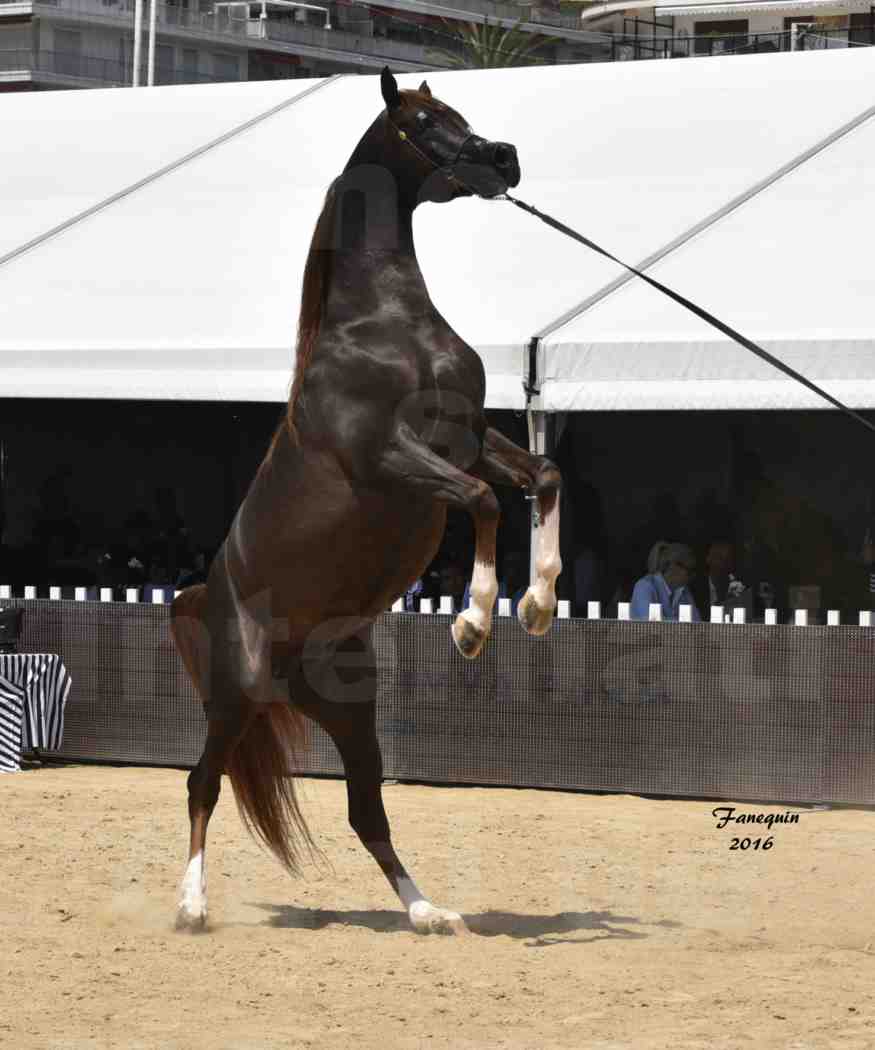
<point x="260" y="768"/>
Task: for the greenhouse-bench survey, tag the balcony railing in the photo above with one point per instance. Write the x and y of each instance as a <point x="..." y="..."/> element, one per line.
<point x="355" y="44"/>
<point x="627" y="48"/>
<point x="168" y="15"/>
<point x="490" y="9"/>
<point x="816" y="39"/>
<point x="71" y="66"/>
<point x="357" y="40"/>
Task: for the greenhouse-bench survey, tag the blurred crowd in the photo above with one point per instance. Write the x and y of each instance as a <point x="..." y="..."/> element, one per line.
<point x="145" y="548"/>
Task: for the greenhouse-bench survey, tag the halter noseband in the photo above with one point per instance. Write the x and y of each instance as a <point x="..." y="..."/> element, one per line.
<point x="445" y="168"/>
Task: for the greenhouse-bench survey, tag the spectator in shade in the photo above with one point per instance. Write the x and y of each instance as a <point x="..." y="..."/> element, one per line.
<point x="131" y="556"/>
<point x="171" y="552"/>
<point x="656" y="552"/>
<point x="869" y="562"/>
<point x="452" y="583"/>
<point x="412" y="596"/>
<point x="668" y="585"/>
<point x="720" y="585"/>
<point x="514" y="580"/>
<point x="199" y="573"/>
<point x="590" y="549"/>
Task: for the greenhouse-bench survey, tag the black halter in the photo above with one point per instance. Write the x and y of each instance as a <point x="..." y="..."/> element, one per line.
<point x="446" y="169"/>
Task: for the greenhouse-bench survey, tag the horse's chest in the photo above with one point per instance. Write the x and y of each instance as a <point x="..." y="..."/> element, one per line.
<point x="458" y="372"/>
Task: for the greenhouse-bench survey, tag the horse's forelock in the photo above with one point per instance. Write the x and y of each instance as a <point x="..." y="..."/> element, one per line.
<point x="420" y="99"/>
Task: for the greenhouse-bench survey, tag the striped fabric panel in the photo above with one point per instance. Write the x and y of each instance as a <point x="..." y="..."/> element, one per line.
<point x="11" y="711"/>
<point x="44" y="685"/>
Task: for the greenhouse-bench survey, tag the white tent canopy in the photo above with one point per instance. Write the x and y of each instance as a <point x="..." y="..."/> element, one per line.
<point x="188" y="287"/>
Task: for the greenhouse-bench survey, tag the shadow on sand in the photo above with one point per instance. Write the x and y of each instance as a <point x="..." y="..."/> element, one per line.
<point x="541" y="930"/>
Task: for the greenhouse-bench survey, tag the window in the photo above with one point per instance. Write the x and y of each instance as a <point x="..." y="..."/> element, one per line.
<point x="68" y="52"/>
<point x="226" y="67"/>
<point x="861" y="28"/>
<point x="189" y="65"/>
<point x="165" y="64"/>
<point x="715" y="37"/>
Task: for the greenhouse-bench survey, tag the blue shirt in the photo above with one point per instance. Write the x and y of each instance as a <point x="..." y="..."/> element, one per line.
<point x="654" y="590"/>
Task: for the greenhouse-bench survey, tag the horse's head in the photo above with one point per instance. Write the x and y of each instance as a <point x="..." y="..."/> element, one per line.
<point x="438" y="147"/>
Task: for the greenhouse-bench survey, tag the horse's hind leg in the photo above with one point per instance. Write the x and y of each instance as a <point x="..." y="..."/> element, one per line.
<point x="346" y="710"/>
<point x="225" y="729"/>
<point x="230" y="714"/>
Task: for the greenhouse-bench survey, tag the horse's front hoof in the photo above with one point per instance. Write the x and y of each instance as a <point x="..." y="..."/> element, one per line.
<point x="533" y="618"/>
<point x="426" y="918"/>
<point x="468" y="638"/>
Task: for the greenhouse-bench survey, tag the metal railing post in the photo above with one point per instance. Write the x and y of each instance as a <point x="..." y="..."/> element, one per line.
<point x="138" y="32"/>
<point x="153" y="18"/>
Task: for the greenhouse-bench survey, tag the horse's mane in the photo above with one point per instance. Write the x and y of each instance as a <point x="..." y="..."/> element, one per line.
<point x="317" y="277"/>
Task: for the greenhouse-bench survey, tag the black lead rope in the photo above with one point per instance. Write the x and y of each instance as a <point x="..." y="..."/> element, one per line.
<point x="697" y="310"/>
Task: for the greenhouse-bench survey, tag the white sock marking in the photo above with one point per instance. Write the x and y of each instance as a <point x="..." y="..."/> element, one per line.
<point x="423" y="915"/>
<point x="484" y="590"/>
<point x="193" y="892"/>
<point x="548" y="564"/>
<point x="409" y="892"/>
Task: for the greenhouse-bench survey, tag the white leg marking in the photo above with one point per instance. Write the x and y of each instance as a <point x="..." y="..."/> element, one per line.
<point x="473" y="624"/>
<point x="548" y="564"/>
<point x="535" y="610"/>
<point x="484" y="591"/>
<point x="424" y="916"/>
<point x="192" y="910"/>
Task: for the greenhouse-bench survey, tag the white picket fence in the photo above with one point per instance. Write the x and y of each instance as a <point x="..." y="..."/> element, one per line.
<point x="445" y="607"/>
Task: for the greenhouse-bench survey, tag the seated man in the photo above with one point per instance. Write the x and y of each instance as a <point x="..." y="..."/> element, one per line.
<point x="668" y="586"/>
<point x="720" y="585"/>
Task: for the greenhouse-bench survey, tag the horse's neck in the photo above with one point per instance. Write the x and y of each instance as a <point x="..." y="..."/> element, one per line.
<point x="374" y="252"/>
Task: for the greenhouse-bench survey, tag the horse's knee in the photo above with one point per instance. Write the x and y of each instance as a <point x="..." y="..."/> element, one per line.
<point x="484" y="504"/>
<point x="549" y="477"/>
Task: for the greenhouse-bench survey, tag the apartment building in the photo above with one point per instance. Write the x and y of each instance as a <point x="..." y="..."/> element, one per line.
<point x="51" y="44"/>
<point x="641" y="29"/>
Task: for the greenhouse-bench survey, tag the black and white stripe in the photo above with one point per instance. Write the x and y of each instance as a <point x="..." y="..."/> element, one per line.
<point x="33" y="692"/>
<point x="11" y="715"/>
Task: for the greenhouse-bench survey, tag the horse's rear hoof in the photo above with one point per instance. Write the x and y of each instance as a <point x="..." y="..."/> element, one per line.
<point x="426" y="918"/>
<point x="468" y="638"/>
<point x="533" y="618"/>
<point x="191" y="920"/>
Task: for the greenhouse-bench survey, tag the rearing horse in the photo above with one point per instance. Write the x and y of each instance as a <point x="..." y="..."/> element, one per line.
<point x="384" y="430"/>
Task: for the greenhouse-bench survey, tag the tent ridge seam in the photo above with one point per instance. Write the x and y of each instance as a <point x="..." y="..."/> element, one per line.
<point x="74" y="220"/>
<point x="709" y="220"/>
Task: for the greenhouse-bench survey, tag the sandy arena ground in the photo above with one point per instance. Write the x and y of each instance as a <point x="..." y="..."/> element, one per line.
<point x="597" y="923"/>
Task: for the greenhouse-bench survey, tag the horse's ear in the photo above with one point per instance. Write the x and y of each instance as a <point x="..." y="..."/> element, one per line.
<point x="389" y="87"/>
<point x="425" y="89"/>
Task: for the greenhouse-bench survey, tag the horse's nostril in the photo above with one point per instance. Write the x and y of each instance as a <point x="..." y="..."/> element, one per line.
<point x="503" y="155"/>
